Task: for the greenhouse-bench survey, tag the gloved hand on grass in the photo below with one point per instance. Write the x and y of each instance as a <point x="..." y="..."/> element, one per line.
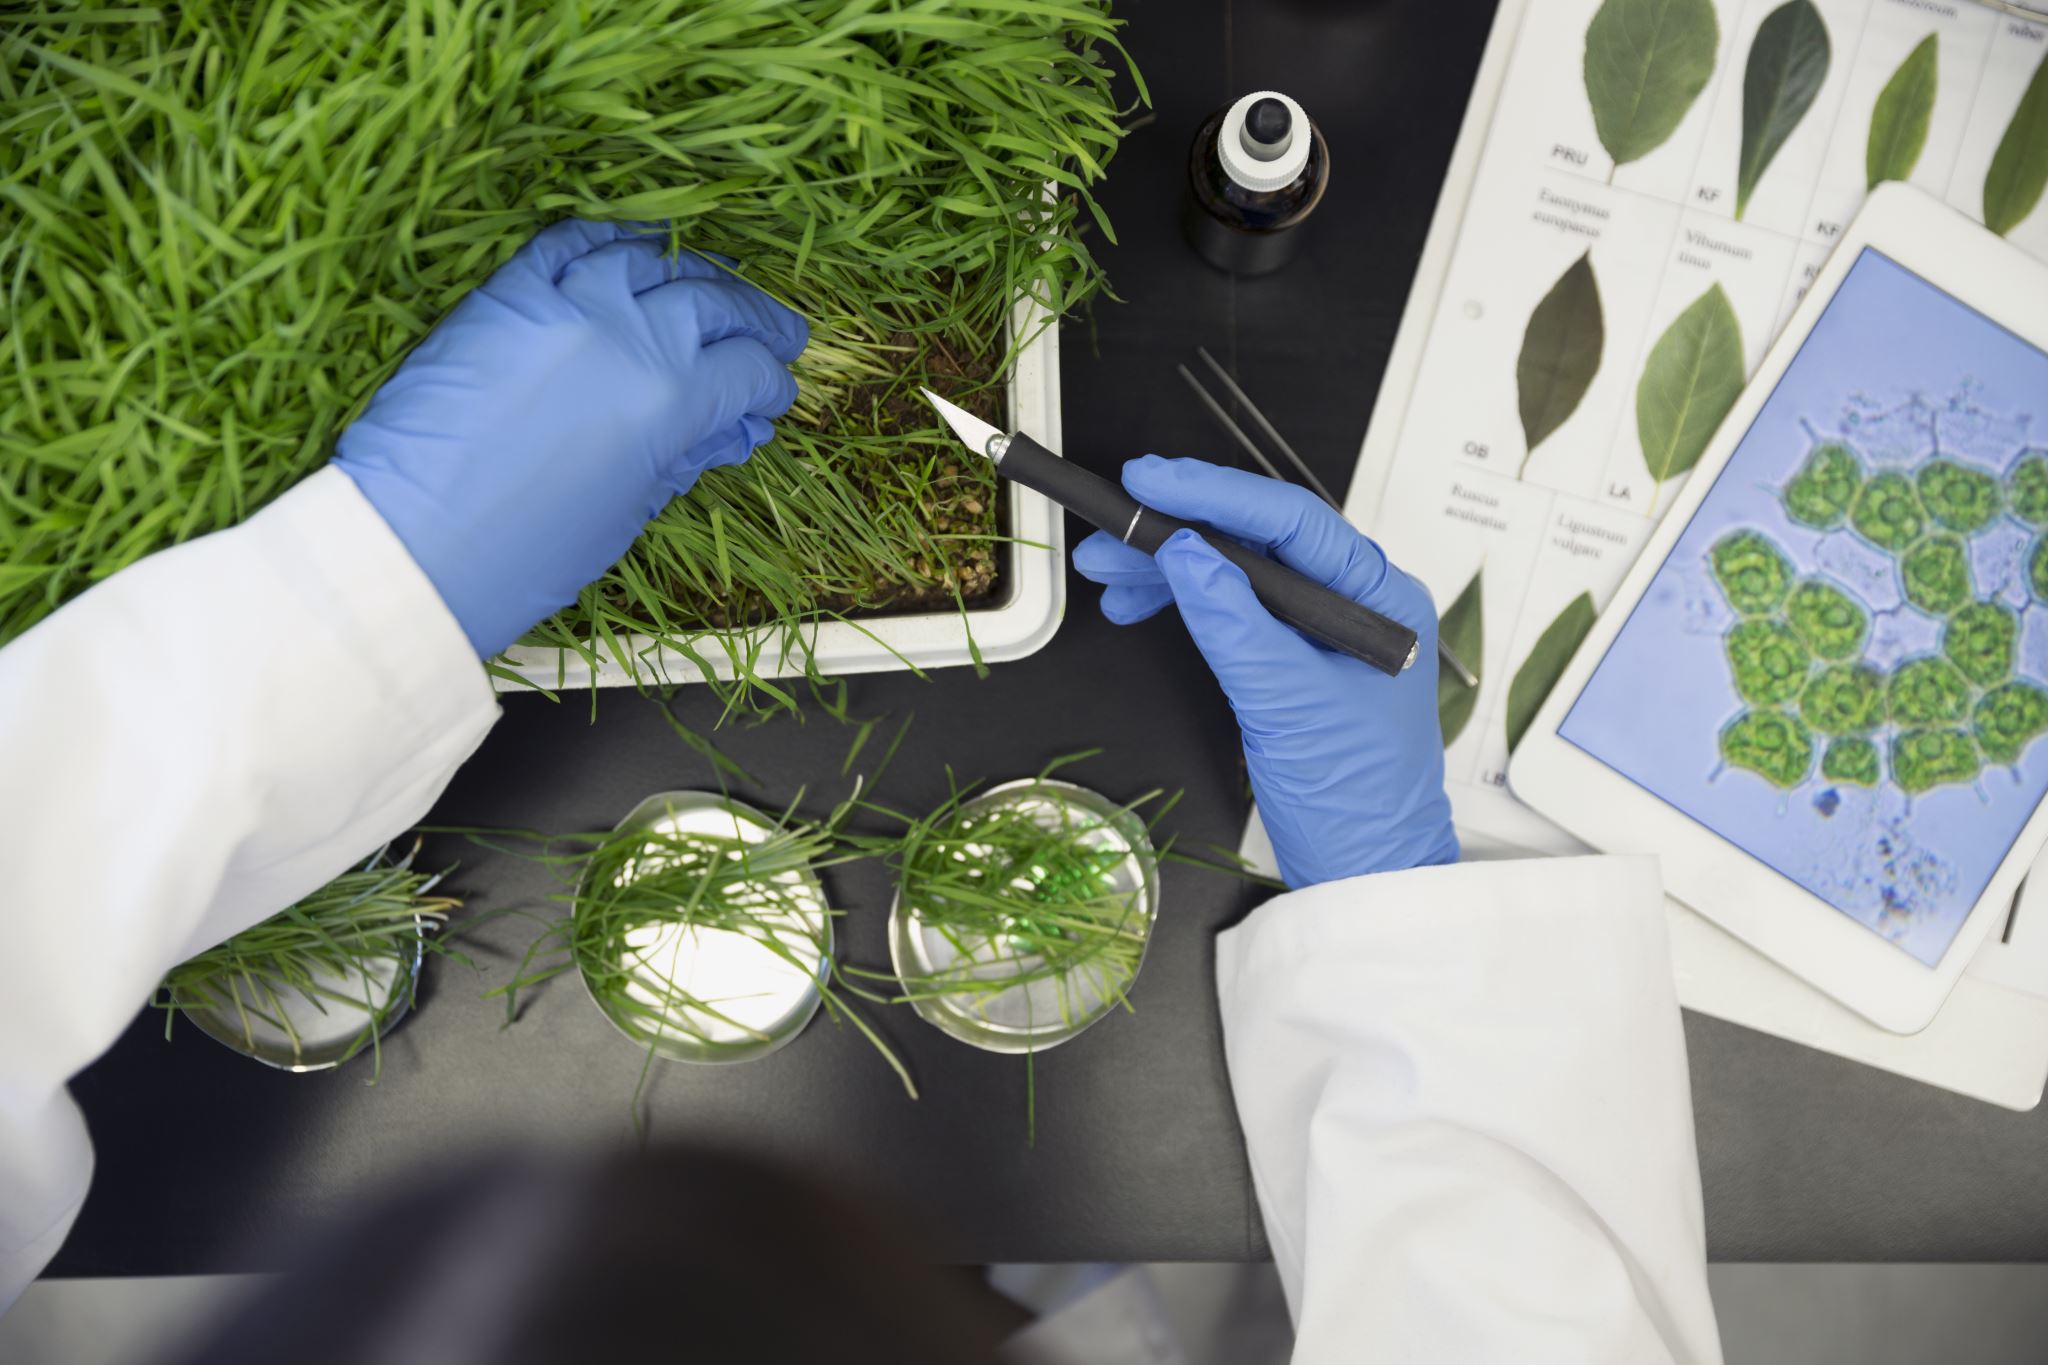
<point x="525" y="442"/>
<point x="1346" y="762"/>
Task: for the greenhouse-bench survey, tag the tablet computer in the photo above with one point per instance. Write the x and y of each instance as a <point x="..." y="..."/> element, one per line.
<point x="1821" y="694"/>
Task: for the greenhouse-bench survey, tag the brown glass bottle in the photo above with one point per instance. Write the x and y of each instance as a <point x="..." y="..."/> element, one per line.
<point x="1245" y="202"/>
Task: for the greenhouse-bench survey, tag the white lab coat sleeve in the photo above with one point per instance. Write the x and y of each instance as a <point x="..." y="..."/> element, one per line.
<point x="1465" y="1098"/>
<point x="185" y="749"/>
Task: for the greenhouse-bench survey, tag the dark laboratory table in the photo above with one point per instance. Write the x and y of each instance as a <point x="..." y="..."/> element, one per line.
<point x="205" y="1159"/>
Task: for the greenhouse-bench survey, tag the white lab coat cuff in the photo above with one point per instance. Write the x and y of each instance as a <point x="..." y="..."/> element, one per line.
<point x="191" y="746"/>
<point x="363" y="591"/>
<point x="382" y="685"/>
<point x="1467" y="1113"/>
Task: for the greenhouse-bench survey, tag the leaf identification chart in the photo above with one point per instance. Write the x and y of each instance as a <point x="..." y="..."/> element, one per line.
<point x="1659" y="183"/>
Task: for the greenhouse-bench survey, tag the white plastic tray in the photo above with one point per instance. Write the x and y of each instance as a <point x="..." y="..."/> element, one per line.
<point x="1031" y="586"/>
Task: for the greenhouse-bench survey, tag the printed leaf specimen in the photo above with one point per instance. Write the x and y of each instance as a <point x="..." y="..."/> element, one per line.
<point x="1545" y="665"/>
<point x="1689" y="382"/>
<point x="1646" y="63"/>
<point x="1898" y="125"/>
<point x="2019" y="168"/>
<point x="1787" y="63"/>
<point x="1462" y="627"/>
<point x="1560" y="354"/>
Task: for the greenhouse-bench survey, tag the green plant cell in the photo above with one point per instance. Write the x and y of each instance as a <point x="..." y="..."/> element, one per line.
<point x="1854" y="761"/>
<point x="2008" y="718"/>
<point x="1929" y="691"/>
<point x="1844" y="699"/>
<point x="1771" y="744"/>
<point x="1825" y="487"/>
<point x="1753" y="572"/>
<point x="1980" y="640"/>
<point x="2037" y="569"/>
<point x="2026" y="488"/>
<point x="1769" y="661"/>
<point x="1887" y="512"/>
<point x="1959" y="497"/>
<point x="1830" y="621"/>
<point x="1936" y="575"/>
<point x="1925" y="759"/>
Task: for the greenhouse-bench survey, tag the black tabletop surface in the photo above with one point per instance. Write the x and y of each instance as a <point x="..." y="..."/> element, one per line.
<point x="204" y="1156"/>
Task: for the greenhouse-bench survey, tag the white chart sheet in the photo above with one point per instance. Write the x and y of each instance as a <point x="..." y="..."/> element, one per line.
<point x="1546" y="533"/>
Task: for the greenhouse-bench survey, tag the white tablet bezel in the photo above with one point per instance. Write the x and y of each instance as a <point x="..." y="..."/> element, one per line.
<point x="1743" y="895"/>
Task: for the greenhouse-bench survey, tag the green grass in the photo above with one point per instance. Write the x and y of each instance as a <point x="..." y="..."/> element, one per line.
<point x="334" y="949"/>
<point x="226" y="221"/>
<point x="631" y="891"/>
<point x="1042" y="894"/>
<point x="1024" y="893"/>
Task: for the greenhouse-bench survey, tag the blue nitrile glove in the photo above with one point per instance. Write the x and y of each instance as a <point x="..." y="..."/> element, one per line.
<point x="527" y="440"/>
<point x="1346" y="762"/>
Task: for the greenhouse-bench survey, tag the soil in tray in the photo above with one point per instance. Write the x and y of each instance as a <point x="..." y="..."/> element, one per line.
<point x="958" y="508"/>
<point x="963" y="499"/>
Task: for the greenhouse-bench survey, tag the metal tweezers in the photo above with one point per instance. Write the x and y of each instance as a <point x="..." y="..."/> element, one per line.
<point x="1236" y="432"/>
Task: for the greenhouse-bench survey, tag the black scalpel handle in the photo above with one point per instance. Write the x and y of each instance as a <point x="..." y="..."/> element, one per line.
<point x="1329" y="618"/>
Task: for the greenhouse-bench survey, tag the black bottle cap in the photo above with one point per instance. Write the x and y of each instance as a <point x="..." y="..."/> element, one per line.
<point x="1267" y="124"/>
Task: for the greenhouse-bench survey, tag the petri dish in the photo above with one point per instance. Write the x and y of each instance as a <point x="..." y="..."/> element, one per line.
<point x="1036" y="1010"/>
<point x="319" y="1034"/>
<point x="711" y="994"/>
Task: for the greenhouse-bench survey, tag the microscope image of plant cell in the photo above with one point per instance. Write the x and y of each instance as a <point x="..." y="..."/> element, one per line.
<point x="1925" y="759"/>
<point x="1771" y="744"/>
<point x="1929" y="691"/>
<point x="1813" y="672"/>
<point x="2026" y="488"/>
<point x="1753" y="572"/>
<point x="1958" y="497"/>
<point x="1825" y="487"/>
<point x="1769" y="661"/>
<point x="1980" y="640"/>
<point x="1936" y="575"/>
<point x="1831" y="623"/>
<point x="2008" y="718"/>
<point x="1887" y="512"/>
<point x="1854" y="761"/>
<point x="1844" y="699"/>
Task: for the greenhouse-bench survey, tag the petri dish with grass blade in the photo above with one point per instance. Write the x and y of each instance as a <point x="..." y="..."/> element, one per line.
<point x="324" y="1015"/>
<point x="1024" y="916"/>
<point x="709" y="941"/>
